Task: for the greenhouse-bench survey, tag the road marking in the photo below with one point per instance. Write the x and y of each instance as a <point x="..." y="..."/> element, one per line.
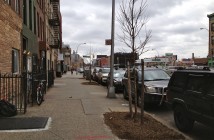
<point x="93" y="137"/>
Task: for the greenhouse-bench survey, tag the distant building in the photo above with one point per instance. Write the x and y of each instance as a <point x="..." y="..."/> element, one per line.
<point x="211" y="39"/>
<point x="201" y="61"/>
<point x="123" y="58"/>
<point x="66" y="51"/>
<point x="187" y="62"/>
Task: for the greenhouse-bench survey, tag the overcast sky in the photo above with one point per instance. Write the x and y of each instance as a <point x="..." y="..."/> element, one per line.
<point x="175" y="26"/>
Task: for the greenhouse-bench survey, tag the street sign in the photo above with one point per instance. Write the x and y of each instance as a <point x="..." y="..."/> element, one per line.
<point x="168" y="54"/>
<point x="108" y="42"/>
<point x="85" y="56"/>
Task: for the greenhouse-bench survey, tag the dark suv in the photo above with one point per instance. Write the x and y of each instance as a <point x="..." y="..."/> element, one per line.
<point x="191" y="95"/>
<point x="155" y="85"/>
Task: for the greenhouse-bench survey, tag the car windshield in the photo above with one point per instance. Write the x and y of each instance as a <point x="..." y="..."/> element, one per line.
<point x="154" y="75"/>
<point x="117" y="75"/>
<point x="105" y="70"/>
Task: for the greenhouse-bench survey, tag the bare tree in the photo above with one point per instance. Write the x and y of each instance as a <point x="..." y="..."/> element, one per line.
<point x="132" y="19"/>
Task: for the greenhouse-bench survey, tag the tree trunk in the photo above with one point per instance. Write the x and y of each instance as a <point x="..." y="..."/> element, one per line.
<point x="142" y="92"/>
<point x="129" y="91"/>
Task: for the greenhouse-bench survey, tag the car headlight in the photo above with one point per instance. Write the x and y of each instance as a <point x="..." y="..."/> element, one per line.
<point x="150" y="89"/>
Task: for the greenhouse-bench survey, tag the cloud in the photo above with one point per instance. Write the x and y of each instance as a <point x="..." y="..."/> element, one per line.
<point x="175" y="26"/>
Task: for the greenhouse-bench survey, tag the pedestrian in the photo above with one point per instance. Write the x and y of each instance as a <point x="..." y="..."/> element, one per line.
<point x="71" y="71"/>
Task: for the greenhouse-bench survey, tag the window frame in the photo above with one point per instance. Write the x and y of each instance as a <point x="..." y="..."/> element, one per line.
<point x="212" y="40"/>
<point x="212" y="27"/>
<point x="15" y="61"/>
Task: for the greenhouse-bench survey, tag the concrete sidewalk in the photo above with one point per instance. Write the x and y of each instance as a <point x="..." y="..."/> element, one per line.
<point x="75" y="111"/>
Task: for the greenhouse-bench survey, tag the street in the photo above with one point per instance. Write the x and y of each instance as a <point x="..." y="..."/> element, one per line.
<point x="76" y="111"/>
<point x="165" y="114"/>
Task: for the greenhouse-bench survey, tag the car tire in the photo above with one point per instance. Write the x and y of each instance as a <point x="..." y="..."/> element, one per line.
<point x="125" y="94"/>
<point x="182" y="121"/>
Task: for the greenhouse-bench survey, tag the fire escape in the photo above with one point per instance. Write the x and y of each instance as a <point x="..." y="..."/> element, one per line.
<point x="54" y="21"/>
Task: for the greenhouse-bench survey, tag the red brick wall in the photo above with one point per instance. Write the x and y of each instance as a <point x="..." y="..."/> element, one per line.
<point x="10" y="36"/>
<point x="104" y="62"/>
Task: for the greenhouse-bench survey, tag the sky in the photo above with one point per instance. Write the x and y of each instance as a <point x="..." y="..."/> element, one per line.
<point x="175" y="26"/>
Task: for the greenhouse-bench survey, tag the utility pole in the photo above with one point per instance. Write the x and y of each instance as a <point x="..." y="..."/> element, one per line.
<point x="111" y="89"/>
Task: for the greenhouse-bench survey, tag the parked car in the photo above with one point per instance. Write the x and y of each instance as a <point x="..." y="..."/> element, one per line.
<point x="102" y="75"/>
<point x="95" y="73"/>
<point x="171" y="69"/>
<point x="80" y="70"/>
<point x="155" y="85"/>
<point x="191" y="96"/>
<point x="117" y="80"/>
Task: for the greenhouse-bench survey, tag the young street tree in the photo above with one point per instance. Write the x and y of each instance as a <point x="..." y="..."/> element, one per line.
<point x="132" y="19"/>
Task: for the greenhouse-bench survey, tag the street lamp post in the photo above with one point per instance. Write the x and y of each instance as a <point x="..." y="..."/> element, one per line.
<point x="111" y="89"/>
<point x="156" y="51"/>
<point x="78" y="47"/>
<point x="204" y="29"/>
<point x="77" y="51"/>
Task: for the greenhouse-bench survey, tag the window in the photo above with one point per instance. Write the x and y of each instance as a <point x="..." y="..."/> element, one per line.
<point x="179" y="80"/>
<point x="196" y="83"/>
<point x="15" y="61"/>
<point x="38" y="26"/>
<point x="30" y="15"/>
<point x="8" y="1"/>
<point x="212" y="40"/>
<point x="212" y="27"/>
<point x="25" y="12"/>
<point x="34" y="16"/>
<point x="17" y="5"/>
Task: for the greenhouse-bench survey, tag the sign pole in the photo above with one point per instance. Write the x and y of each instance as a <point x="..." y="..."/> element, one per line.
<point x="111" y="89"/>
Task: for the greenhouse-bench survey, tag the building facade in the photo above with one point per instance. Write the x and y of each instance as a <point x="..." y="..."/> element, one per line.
<point x="31" y="35"/>
<point x="211" y="40"/>
<point x="66" y="51"/>
<point x="10" y="36"/>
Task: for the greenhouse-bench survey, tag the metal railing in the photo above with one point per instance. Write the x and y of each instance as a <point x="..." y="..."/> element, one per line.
<point x="12" y="89"/>
<point x="20" y="89"/>
<point x="50" y="78"/>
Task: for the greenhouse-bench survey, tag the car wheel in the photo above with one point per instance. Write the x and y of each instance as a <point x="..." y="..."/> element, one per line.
<point x="182" y="121"/>
<point x="125" y="94"/>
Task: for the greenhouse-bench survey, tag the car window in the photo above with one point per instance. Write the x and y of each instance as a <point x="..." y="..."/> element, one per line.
<point x="118" y="75"/>
<point x="196" y="83"/>
<point x="154" y="75"/>
<point x="105" y="70"/>
<point x="179" y="79"/>
<point x="209" y="85"/>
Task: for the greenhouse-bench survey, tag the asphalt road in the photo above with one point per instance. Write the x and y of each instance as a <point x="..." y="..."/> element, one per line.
<point x="164" y="113"/>
<point x="199" y="132"/>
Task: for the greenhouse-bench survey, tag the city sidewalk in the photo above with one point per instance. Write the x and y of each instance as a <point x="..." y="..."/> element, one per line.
<point x="75" y="110"/>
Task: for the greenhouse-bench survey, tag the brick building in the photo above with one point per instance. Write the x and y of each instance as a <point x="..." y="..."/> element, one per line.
<point x="10" y="36"/>
<point x="123" y="58"/>
<point x="211" y="40"/>
<point x="66" y="51"/>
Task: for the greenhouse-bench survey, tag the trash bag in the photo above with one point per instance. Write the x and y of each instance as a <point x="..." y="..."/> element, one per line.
<point x="7" y="109"/>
